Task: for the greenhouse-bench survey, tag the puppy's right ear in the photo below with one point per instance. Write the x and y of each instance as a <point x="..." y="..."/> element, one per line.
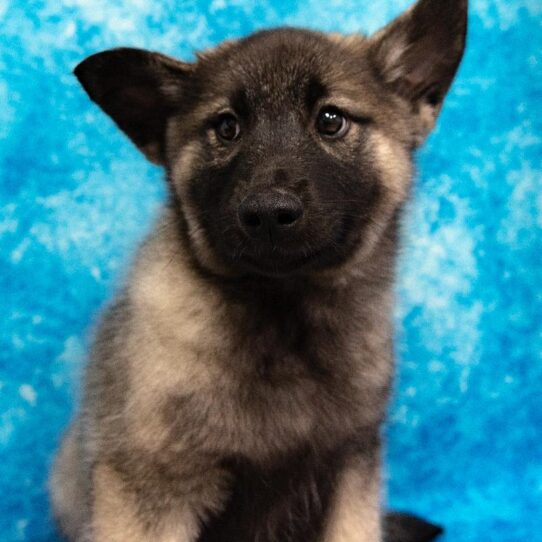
<point x="139" y="90"/>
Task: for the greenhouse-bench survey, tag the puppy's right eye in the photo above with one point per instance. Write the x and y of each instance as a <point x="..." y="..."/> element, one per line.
<point x="332" y="123"/>
<point x="227" y="127"/>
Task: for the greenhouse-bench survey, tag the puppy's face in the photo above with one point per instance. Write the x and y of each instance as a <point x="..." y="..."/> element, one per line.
<point x="288" y="151"/>
<point x="276" y="162"/>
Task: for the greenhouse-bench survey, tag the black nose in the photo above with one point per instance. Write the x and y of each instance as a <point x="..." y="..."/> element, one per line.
<point x="269" y="214"/>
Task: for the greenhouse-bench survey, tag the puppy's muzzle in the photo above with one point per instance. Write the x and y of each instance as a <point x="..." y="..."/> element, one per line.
<point x="270" y="215"/>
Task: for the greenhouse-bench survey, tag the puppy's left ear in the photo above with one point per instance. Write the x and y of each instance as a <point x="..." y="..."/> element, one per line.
<point x="139" y="90"/>
<point x="418" y="54"/>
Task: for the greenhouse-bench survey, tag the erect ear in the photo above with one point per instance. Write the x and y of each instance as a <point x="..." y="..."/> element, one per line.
<point x="139" y="90"/>
<point x="418" y="54"/>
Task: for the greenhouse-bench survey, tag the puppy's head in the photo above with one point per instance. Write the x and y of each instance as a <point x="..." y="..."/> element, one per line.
<point x="288" y="151"/>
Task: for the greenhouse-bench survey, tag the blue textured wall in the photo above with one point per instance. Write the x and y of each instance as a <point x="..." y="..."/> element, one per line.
<point x="75" y="197"/>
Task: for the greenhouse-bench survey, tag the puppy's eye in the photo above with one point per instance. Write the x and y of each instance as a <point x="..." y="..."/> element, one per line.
<point x="332" y="123"/>
<point x="227" y="127"/>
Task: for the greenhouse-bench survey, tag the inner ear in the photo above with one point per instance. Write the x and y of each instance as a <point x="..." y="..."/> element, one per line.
<point x="139" y="90"/>
<point x="418" y="54"/>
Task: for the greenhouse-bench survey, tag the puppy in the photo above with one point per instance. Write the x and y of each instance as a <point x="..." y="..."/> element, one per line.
<point x="237" y="386"/>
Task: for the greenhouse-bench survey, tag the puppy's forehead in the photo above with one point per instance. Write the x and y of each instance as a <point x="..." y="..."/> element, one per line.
<point x="288" y="66"/>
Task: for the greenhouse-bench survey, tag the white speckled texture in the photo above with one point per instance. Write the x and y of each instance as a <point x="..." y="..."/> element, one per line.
<point x="75" y="197"/>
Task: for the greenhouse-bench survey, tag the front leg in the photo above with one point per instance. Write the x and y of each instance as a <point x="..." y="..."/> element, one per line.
<point x="149" y="504"/>
<point x="355" y="514"/>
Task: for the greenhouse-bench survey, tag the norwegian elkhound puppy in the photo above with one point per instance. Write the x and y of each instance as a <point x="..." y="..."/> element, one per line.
<point x="237" y="385"/>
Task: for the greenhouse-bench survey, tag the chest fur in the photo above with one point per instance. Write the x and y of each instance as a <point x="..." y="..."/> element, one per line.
<point x="253" y="370"/>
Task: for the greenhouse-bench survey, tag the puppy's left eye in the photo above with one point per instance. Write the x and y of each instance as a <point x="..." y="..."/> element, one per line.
<point x="332" y="123"/>
<point x="227" y="127"/>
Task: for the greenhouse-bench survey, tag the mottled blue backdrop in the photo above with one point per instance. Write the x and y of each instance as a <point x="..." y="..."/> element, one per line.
<point x="75" y="197"/>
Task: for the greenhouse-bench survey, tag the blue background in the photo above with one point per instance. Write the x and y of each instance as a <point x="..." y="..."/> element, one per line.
<point x="75" y="198"/>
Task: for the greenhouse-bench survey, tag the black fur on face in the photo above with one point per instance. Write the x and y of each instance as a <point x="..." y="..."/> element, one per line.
<point x="275" y="85"/>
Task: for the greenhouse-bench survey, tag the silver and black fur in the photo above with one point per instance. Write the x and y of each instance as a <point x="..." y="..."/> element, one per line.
<point x="237" y="386"/>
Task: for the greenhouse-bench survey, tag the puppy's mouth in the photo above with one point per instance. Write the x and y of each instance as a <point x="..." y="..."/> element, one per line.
<point x="279" y="262"/>
<point x="282" y="259"/>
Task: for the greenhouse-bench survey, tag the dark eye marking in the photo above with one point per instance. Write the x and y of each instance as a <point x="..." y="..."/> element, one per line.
<point x="314" y="92"/>
<point x="227" y="127"/>
<point x="332" y="123"/>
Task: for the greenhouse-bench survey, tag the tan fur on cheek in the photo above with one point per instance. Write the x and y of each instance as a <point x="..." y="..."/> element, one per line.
<point x="392" y="164"/>
<point x="392" y="161"/>
<point x="181" y="174"/>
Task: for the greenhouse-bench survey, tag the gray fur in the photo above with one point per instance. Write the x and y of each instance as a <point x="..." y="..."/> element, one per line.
<point x="236" y="388"/>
